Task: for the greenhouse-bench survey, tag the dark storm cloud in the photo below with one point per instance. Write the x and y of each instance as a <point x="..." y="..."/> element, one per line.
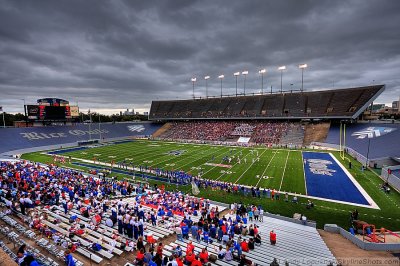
<point x="120" y="54"/>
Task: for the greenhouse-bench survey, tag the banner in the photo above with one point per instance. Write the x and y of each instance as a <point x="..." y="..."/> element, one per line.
<point x="195" y="188"/>
<point x="74" y="111"/>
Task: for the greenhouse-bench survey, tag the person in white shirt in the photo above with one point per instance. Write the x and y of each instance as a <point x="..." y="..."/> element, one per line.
<point x="261" y="218"/>
<point x="304" y="219"/>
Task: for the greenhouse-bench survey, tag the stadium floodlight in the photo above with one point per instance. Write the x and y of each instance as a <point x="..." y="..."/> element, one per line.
<point x="236" y="74"/>
<point x="262" y="72"/>
<point x="244" y="73"/>
<point x="302" y="67"/>
<point x="221" y="77"/>
<point x="281" y="68"/>
<point x="193" y="81"/>
<point x="206" y="78"/>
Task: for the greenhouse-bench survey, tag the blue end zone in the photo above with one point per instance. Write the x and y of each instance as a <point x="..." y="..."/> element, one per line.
<point x="326" y="179"/>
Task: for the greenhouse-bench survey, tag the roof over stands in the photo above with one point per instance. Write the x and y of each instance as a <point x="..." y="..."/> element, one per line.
<point x="334" y="104"/>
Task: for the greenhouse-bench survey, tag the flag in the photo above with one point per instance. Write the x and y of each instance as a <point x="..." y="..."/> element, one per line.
<point x="195" y="188"/>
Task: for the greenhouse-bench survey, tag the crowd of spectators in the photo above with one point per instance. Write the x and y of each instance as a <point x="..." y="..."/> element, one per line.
<point x="25" y="186"/>
<point x="221" y="231"/>
<point x="260" y="132"/>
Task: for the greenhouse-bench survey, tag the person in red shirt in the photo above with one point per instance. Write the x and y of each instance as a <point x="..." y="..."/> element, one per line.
<point x="189" y="258"/>
<point x="223" y="228"/>
<point x="160" y="249"/>
<point x="189" y="248"/>
<point x="272" y="237"/>
<point x="255" y="229"/>
<point x="244" y="246"/>
<point x="179" y="261"/>
<point x="203" y="255"/>
<point x="196" y="262"/>
<point x="140" y="257"/>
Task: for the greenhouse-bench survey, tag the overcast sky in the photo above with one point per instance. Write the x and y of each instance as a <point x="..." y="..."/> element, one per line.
<point x="112" y="55"/>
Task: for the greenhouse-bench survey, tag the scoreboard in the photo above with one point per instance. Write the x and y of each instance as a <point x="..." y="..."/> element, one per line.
<point x="46" y="112"/>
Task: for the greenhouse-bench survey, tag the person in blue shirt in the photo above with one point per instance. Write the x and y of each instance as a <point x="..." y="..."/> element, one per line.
<point x="185" y="231"/>
<point x="194" y="230"/>
<point x="213" y="231"/>
<point x="238" y="248"/>
<point x="69" y="260"/>
<point x="206" y="237"/>
<point x="220" y="234"/>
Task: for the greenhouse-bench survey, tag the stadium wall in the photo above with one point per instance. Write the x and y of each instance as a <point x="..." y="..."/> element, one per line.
<point x="333" y="228"/>
<point x="383" y="144"/>
<point x="392" y="179"/>
<point x="16" y="139"/>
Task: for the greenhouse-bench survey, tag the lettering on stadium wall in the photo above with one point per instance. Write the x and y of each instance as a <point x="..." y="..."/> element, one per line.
<point x="74" y="132"/>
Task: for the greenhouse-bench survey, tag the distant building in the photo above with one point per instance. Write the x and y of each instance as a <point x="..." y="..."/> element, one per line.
<point x="376" y="107"/>
<point x="396" y="105"/>
<point x="145" y="113"/>
<point x="128" y="112"/>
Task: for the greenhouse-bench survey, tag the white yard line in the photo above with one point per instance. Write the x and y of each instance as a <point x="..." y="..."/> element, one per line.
<point x="284" y="169"/>
<point x="248" y="167"/>
<point x="230" y="168"/>
<point x="191" y="162"/>
<point x="304" y="172"/>
<point x="261" y="177"/>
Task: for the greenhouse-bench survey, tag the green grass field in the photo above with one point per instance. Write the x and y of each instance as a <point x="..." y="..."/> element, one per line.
<point x="283" y="167"/>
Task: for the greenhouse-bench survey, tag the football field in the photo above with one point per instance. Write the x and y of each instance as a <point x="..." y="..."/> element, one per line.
<point x="321" y="176"/>
<point x="267" y="168"/>
<point x="318" y="175"/>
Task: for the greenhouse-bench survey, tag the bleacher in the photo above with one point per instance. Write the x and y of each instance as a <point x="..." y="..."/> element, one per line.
<point x="55" y="219"/>
<point x="297" y="244"/>
<point x="340" y="103"/>
<point x="260" y="132"/>
<point x="32" y="137"/>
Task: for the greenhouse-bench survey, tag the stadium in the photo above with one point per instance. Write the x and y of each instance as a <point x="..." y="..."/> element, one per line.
<point x="305" y="158"/>
<point x="199" y="133"/>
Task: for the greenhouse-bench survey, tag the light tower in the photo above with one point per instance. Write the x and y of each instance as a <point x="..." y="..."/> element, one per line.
<point x="281" y="68"/>
<point x="262" y="72"/>
<point x="302" y="67"/>
<point x="193" y="81"/>
<point x="221" y="77"/>
<point x="236" y="74"/>
<point x="244" y="73"/>
<point x="207" y="78"/>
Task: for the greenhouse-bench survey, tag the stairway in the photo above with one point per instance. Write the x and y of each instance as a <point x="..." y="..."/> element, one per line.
<point x="316" y="132"/>
<point x="162" y="130"/>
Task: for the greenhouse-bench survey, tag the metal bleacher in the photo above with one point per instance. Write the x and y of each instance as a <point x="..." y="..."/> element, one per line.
<point x="339" y="103"/>
<point x="296" y="244"/>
